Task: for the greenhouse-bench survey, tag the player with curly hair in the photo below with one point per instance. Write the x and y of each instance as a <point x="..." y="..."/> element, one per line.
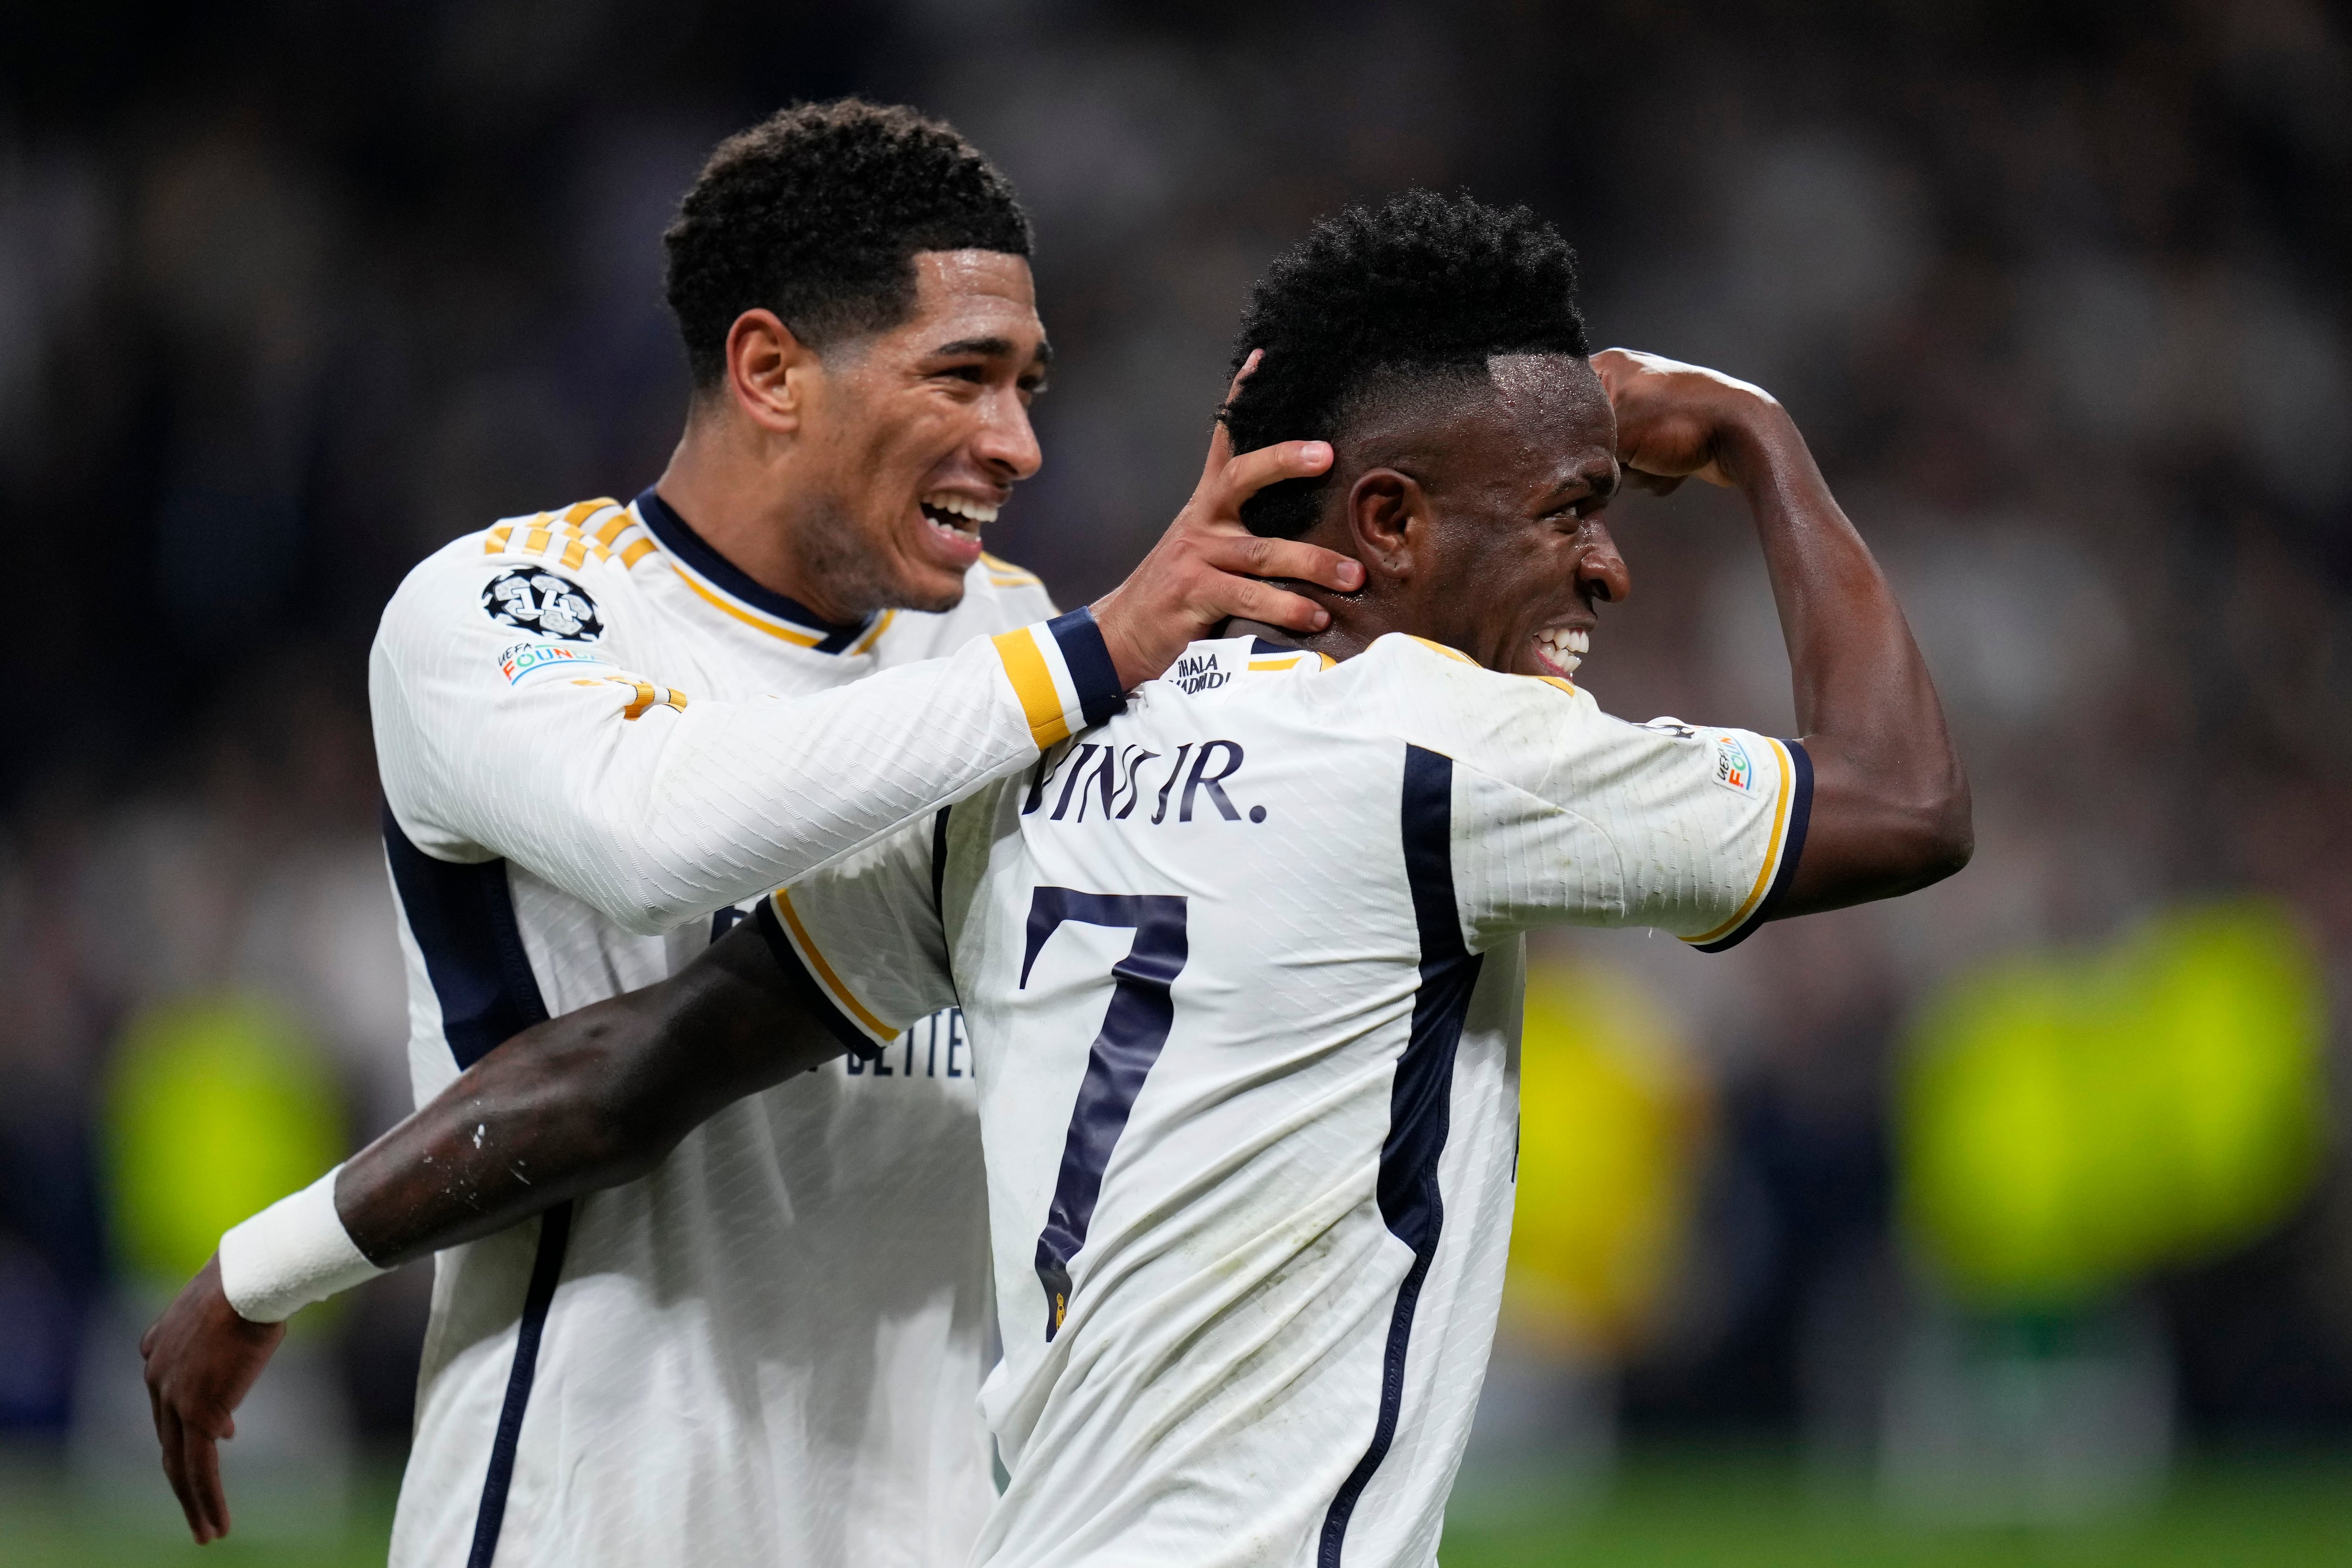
<point x="605" y="727"/>
<point x="1241" y="963"/>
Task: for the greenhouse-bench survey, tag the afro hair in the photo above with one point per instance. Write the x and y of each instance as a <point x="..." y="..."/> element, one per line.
<point x="816" y="214"/>
<point x="1384" y="299"/>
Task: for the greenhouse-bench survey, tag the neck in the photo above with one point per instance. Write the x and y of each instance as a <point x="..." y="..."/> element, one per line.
<point x="1355" y="623"/>
<point x="734" y="488"/>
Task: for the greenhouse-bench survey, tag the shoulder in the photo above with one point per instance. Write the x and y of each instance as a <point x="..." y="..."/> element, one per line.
<point x="1006" y="594"/>
<point x="1438" y="697"/>
<point x="559" y="574"/>
<point x="1402" y="661"/>
<point x="998" y="597"/>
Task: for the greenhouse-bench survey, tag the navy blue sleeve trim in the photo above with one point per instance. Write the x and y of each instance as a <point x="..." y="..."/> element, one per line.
<point x="1088" y="659"/>
<point x="772" y="930"/>
<point x="1801" y="814"/>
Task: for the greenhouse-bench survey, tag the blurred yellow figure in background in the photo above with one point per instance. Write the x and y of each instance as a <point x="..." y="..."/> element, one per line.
<point x="2066" y="1125"/>
<point x="1612" y="1124"/>
<point x="215" y="1106"/>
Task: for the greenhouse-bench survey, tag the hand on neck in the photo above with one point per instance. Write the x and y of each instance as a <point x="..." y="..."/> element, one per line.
<point x="1355" y="623"/>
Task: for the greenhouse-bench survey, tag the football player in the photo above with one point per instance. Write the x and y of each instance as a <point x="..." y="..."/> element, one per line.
<point x="603" y="727"/>
<point x="1241" y="963"/>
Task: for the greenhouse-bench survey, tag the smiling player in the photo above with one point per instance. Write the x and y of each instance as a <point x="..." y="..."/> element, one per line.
<point x="603" y="726"/>
<point x="1242" y="963"/>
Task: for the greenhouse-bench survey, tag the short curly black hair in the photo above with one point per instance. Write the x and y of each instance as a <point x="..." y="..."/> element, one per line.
<point x="1377" y="299"/>
<point x="816" y="214"/>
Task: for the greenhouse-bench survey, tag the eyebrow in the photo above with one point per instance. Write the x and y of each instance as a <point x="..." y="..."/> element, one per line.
<point x="995" y="348"/>
<point x="1602" y="486"/>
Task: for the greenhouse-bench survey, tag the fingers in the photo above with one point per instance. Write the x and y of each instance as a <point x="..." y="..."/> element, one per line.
<point x="1243" y="375"/>
<point x="1656" y="484"/>
<point x="1615" y="367"/>
<point x="1221" y="440"/>
<point x="205" y="1481"/>
<point x="1253" y="471"/>
<point x="1252" y="556"/>
<point x="175" y="1470"/>
<point x="1256" y="601"/>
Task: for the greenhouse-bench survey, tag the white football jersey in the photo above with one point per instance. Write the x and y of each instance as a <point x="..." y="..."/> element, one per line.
<point x="597" y="737"/>
<point x="1242" y="968"/>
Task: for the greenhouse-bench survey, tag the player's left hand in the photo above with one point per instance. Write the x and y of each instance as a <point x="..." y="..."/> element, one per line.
<point x="202" y="1359"/>
<point x="1675" y="420"/>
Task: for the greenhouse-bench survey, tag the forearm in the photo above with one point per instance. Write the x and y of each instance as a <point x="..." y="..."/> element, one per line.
<point x="585" y="1101"/>
<point x="581" y="1102"/>
<point x="535" y="1122"/>
<point x="1891" y="801"/>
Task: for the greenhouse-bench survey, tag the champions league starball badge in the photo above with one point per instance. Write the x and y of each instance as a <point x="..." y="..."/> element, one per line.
<point x="544" y="603"/>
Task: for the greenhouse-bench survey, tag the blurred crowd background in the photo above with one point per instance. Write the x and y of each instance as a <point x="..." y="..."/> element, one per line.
<point x="1998" y="1199"/>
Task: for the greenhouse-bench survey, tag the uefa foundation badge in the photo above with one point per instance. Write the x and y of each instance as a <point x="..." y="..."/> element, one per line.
<point x="1733" y="770"/>
<point x="526" y="658"/>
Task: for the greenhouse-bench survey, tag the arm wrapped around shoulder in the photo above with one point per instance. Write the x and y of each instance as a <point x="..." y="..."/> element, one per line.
<point x="655" y="806"/>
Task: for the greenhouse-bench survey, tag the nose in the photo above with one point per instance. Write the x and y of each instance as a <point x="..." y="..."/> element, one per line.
<point x="1600" y="572"/>
<point x="1007" y="445"/>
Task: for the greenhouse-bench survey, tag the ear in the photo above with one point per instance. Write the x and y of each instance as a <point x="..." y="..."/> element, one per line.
<point x="769" y="372"/>
<point x="1388" y="519"/>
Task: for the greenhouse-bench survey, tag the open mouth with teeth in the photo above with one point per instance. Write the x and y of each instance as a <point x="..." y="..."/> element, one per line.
<point x="1560" y="651"/>
<point x="956" y="516"/>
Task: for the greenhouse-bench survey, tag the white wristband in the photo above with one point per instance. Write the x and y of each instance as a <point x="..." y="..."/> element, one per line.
<point x="291" y="1254"/>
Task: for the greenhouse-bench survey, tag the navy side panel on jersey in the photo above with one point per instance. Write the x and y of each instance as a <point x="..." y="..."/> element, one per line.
<point x="463" y="922"/>
<point x="462" y="919"/>
<point x="1420" y="1103"/>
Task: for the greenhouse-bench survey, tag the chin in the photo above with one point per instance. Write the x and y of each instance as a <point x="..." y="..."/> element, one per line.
<point x="935" y="595"/>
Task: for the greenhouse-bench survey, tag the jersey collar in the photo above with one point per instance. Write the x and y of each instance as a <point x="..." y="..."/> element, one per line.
<point x="729" y="588"/>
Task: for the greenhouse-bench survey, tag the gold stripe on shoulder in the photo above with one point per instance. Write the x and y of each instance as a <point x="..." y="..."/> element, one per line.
<point x="1005" y="574"/>
<point x="635" y="552"/>
<point x="1455" y="654"/>
<point x="563" y="535"/>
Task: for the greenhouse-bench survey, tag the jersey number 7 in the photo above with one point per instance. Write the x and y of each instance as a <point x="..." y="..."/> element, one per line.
<point x="1134" y="1028"/>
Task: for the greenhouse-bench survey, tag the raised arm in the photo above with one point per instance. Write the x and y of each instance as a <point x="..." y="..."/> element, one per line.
<point x="1890" y="801"/>
<point x="588" y="1100"/>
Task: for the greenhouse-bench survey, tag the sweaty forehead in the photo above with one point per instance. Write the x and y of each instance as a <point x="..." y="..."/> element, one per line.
<point x="974" y="285"/>
<point x="1553" y="400"/>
